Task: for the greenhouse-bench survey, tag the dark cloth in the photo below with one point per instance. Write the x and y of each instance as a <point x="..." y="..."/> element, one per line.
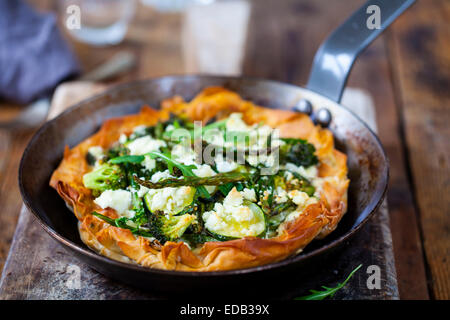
<point x="34" y="57"/>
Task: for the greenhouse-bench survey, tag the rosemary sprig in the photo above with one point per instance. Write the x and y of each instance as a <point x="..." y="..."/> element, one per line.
<point x="328" y="292"/>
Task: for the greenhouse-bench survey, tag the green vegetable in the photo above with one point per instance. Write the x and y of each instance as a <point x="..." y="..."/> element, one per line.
<point x="185" y="170"/>
<point x="328" y="292"/>
<point x="170" y="228"/>
<point x="127" y="159"/>
<point x="299" y="152"/>
<point x="124" y="224"/>
<point x="105" y="177"/>
<point x="305" y="184"/>
<point x="148" y="198"/>
<point x="217" y="180"/>
<point x="90" y="159"/>
<point x="194" y="239"/>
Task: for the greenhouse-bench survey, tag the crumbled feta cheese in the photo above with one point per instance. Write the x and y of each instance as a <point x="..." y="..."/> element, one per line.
<point x="96" y="152"/>
<point x="204" y="171"/>
<point x="224" y="165"/>
<point x="149" y="163"/>
<point x="119" y="200"/>
<point x="281" y="195"/>
<point x="233" y="199"/>
<point x="139" y="129"/>
<point x="183" y="154"/>
<point x="123" y="138"/>
<point x="302" y="200"/>
<point x="233" y="218"/>
<point x="235" y="123"/>
<point x="309" y="173"/>
<point x="268" y="160"/>
<point x="144" y="145"/>
<point x="169" y="199"/>
<point x="142" y="191"/>
<point x="249" y="194"/>
<point x="160" y="175"/>
<point x="298" y="197"/>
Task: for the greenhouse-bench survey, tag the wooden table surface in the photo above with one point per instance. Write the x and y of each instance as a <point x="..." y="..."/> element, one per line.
<point x="406" y="71"/>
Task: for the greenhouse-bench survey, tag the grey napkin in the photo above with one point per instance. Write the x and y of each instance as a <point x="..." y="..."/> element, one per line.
<point x="34" y="57"/>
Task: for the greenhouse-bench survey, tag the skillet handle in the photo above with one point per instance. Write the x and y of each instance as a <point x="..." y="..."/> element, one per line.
<point x="336" y="55"/>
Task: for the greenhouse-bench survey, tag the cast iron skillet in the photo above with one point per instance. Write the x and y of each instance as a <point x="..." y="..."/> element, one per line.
<point x="368" y="166"/>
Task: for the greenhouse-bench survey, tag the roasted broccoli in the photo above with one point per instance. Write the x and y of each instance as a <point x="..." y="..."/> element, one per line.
<point x="165" y="228"/>
<point x="299" y="152"/>
<point x="105" y="177"/>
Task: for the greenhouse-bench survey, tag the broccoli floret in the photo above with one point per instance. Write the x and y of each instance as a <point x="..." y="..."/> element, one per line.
<point x="299" y="152"/>
<point x="105" y="177"/>
<point x="171" y="228"/>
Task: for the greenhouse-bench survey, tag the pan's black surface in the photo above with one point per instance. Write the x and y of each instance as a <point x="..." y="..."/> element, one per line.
<point x="368" y="172"/>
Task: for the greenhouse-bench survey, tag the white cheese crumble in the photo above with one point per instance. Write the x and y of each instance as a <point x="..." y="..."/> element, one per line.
<point x="309" y="173"/>
<point x="183" y="154"/>
<point x="302" y="200"/>
<point x="235" y="123"/>
<point x="249" y="194"/>
<point x="149" y="163"/>
<point x="298" y="197"/>
<point x="144" y="145"/>
<point x="119" y="200"/>
<point x="98" y="153"/>
<point x="123" y="138"/>
<point x="204" y="171"/>
<point x="160" y="175"/>
<point x="224" y="166"/>
<point x="233" y="218"/>
<point x="281" y="195"/>
<point x="169" y="199"/>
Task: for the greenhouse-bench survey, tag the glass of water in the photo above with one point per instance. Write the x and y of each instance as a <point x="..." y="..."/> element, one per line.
<point x="174" y="5"/>
<point x="97" y="22"/>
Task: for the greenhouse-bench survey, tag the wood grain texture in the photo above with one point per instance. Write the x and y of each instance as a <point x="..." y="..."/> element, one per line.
<point x="291" y="51"/>
<point x="283" y="37"/>
<point x="420" y="49"/>
<point x="12" y="145"/>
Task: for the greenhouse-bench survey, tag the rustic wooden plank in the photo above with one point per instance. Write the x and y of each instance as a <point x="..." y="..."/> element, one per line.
<point x="12" y="145"/>
<point x="419" y="49"/>
<point x="372" y="73"/>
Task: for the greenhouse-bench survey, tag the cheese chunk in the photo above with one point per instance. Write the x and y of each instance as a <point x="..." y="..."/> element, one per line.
<point x="144" y="145"/>
<point x="119" y="200"/>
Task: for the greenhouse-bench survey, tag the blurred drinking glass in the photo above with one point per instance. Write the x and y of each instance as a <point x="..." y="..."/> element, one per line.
<point x="174" y="5"/>
<point x="102" y="22"/>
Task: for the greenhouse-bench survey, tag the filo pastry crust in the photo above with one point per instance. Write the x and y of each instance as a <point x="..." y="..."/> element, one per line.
<point x="316" y="221"/>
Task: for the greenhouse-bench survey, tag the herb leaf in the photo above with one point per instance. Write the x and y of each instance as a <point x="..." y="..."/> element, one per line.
<point x="327" y="292"/>
<point x="185" y="170"/>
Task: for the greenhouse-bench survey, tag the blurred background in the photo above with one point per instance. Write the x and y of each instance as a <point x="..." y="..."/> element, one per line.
<point x="67" y="50"/>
